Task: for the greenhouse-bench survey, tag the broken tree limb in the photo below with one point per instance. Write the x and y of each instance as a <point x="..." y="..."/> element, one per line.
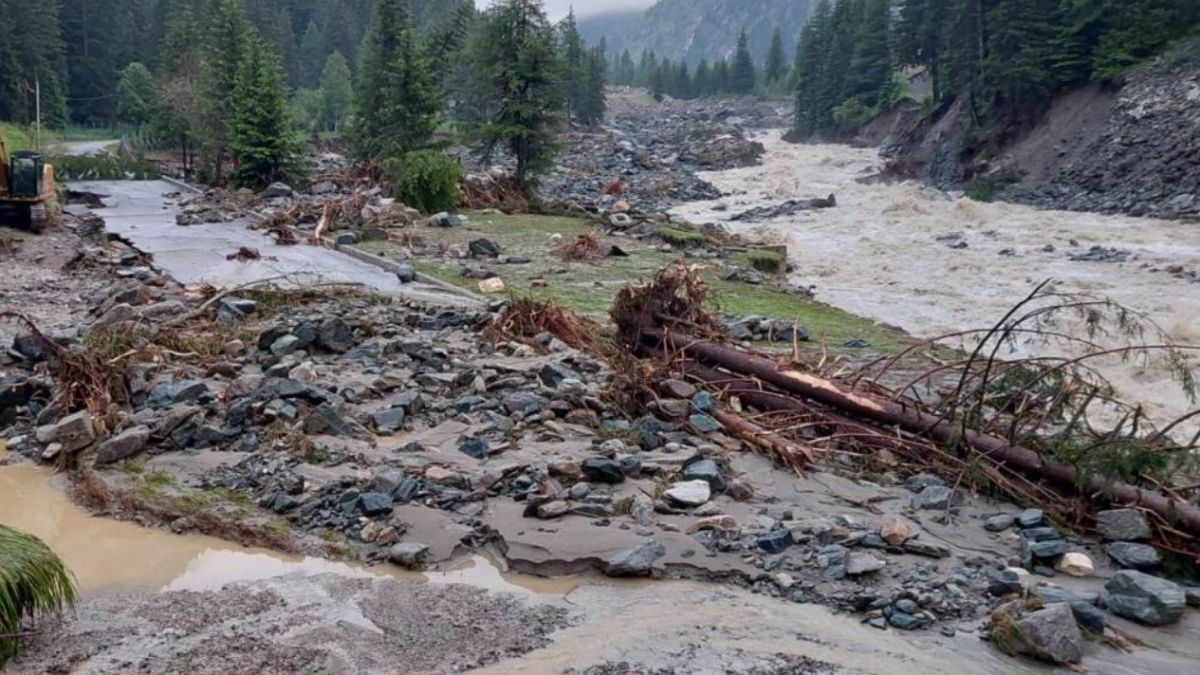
<point x="914" y="420"/>
<point x="795" y="456"/>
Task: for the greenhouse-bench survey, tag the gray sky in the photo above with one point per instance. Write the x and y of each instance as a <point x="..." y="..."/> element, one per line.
<point x="558" y="8"/>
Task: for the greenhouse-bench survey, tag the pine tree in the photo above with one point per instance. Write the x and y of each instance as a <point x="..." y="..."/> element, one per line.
<point x="702" y="80"/>
<point x="398" y="99"/>
<point x="260" y="138"/>
<point x="871" y="63"/>
<point x="776" y="67"/>
<point x="742" y="75"/>
<point x="336" y="92"/>
<point x="32" y="51"/>
<point x="224" y="54"/>
<point x="312" y="55"/>
<point x="722" y="78"/>
<point x="626" y="70"/>
<point x="592" y="105"/>
<point x="573" y="64"/>
<point x="517" y="58"/>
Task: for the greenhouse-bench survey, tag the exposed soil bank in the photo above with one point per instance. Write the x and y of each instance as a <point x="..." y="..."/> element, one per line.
<point x="933" y="264"/>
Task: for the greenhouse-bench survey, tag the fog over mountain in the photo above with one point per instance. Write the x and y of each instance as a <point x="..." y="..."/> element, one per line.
<point x="557" y="9"/>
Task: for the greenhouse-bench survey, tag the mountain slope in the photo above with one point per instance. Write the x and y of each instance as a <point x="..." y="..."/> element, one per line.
<point x="696" y="29"/>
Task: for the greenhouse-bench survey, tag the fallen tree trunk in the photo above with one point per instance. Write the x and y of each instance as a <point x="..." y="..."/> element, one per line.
<point x="914" y="420"/>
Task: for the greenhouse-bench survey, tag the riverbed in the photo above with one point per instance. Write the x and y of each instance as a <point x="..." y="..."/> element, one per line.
<point x="934" y="263"/>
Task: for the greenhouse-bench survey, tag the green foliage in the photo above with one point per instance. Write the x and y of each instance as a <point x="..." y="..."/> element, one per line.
<point x="137" y="95"/>
<point x="517" y="61"/>
<point x="742" y="75"/>
<point x="33" y="582"/>
<point x="776" y="66"/>
<point x="103" y="167"/>
<point x="852" y="113"/>
<point x="398" y="103"/>
<point x="425" y="180"/>
<point x="261" y="139"/>
<point x="336" y="94"/>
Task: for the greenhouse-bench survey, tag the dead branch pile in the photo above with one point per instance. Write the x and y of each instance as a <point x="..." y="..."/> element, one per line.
<point x="1018" y="428"/>
<point x="484" y="192"/>
<point x="585" y="247"/>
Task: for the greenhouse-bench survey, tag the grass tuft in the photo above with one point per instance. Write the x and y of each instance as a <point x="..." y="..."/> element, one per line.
<point x="33" y="582"/>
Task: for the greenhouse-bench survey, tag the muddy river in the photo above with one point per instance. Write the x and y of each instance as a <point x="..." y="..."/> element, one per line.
<point x="895" y="253"/>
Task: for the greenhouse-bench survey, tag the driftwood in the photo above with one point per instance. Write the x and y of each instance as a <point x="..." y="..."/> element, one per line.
<point x="892" y="414"/>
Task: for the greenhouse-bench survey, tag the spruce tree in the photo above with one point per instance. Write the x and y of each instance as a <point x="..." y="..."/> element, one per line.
<point x="312" y="55"/>
<point x="742" y="75"/>
<point x="573" y="74"/>
<point x="702" y="80"/>
<point x="336" y="92"/>
<point x="592" y="105"/>
<point x="776" y="67"/>
<point x="398" y="101"/>
<point x="871" y="64"/>
<point x="224" y="54"/>
<point x="517" y="58"/>
<point x="260" y="137"/>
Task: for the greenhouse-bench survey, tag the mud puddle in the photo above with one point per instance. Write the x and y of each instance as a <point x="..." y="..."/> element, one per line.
<point x="931" y="264"/>
<point x="109" y="555"/>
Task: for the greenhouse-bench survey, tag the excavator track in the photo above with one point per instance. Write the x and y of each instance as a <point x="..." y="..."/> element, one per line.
<point x="39" y="218"/>
<point x="24" y="216"/>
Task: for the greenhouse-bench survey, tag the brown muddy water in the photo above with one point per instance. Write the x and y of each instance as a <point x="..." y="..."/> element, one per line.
<point x="690" y="627"/>
<point x="887" y="252"/>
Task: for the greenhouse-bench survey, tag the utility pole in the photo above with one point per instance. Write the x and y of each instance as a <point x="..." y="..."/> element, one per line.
<point x="37" y="95"/>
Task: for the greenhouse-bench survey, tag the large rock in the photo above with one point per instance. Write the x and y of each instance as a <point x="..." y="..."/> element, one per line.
<point x="335" y="335"/>
<point x="169" y="393"/>
<point x="705" y="470"/>
<point x="859" y="563"/>
<point x="123" y="446"/>
<point x="602" y="470"/>
<point x="933" y="498"/>
<point x="1051" y="634"/>
<point x="1145" y="599"/>
<point x="73" y="432"/>
<point x="635" y="562"/>
<point x="1134" y="556"/>
<point x="409" y="555"/>
<point x="1123" y="525"/>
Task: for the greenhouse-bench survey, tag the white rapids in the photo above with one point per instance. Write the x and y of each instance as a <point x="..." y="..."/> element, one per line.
<point x="878" y="254"/>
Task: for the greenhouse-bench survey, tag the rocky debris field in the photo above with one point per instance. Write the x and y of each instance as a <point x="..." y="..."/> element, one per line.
<point x="393" y="432"/>
<point x="647" y="153"/>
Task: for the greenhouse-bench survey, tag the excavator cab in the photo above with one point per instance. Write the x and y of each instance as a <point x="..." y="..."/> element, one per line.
<point x="26" y="189"/>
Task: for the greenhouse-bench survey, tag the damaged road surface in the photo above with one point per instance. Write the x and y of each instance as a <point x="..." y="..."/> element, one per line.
<point x="143" y="213"/>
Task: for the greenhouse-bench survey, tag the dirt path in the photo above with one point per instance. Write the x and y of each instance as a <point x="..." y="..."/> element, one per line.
<point x="931" y="264"/>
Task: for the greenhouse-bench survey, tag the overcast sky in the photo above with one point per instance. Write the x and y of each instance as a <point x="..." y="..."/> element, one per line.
<point x="558" y="8"/>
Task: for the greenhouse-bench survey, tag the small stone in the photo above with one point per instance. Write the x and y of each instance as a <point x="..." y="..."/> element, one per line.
<point x="375" y="504"/>
<point x="1076" y="565"/>
<point x="678" y="389"/>
<point x="389" y="420"/>
<point x="775" y="541"/>
<point x="579" y="491"/>
<point x="1134" y="556"/>
<point x="410" y="555"/>
<point x="484" y="248"/>
<point x="933" y="498"/>
<point x="554" y="509"/>
<point x="704" y="424"/>
<point x="1050" y="549"/>
<point x="1123" y="525"/>
<point x="405" y="273"/>
<point x="474" y="447"/>
<point x="335" y="335"/>
<point x="1145" y="599"/>
<point x="603" y="470"/>
<point x="927" y="549"/>
<point x="1089" y="617"/>
<point x="921" y="481"/>
<point x="904" y="621"/>
<point x="1000" y="522"/>
<point x="1051" y="634"/>
<point x="894" y="530"/>
<point x="689" y="493"/>
<point x="1007" y="581"/>
<point x="859" y="563"/>
<point x="635" y="562"/>
<point x="705" y="470"/>
<point x="1030" y="518"/>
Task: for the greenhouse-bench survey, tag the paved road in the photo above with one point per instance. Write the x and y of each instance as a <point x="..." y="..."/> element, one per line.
<point x="84" y="148"/>
<point x="139" y="212"/>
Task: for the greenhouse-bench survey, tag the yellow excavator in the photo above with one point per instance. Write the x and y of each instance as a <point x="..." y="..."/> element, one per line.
<point x="26" y="189"/>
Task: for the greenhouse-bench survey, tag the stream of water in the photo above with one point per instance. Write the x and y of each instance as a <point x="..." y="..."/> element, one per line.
<point x="887" y="252"/>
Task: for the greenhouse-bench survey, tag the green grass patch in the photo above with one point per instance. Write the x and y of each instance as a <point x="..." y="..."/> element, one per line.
<point x="771" y="262"/>
<point x="678" y="237"/>
<point x="589" y="287"/>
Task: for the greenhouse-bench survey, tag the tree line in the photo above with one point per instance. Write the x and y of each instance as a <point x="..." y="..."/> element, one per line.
<point x="736" y="76"/>
<point x="1006" y="58"/>
<point x="237" y="83"/>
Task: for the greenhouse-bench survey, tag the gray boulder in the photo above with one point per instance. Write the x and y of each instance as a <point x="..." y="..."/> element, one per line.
<point x="1051" y="634"/>
<point x="1145" y="599"/>
<point x="73" y="432"/>
<point x="1133" y="556"/>
<point x="933" y="498"/>
<point x="1123" y="525"/>
<point x="410" y="555"/>
<point x="124" y="445"/>
<point x="635" y="562"/>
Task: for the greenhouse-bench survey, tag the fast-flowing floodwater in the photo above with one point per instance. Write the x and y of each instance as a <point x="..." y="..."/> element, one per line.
<point x="933" y="264"/>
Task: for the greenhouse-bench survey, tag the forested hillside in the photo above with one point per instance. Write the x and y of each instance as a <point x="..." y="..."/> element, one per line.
<point x="78" y="48"/>
<point x="1008" y="58"/>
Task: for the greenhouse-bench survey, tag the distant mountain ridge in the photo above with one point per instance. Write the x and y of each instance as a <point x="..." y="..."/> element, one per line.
<point x="696" y="29"/>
